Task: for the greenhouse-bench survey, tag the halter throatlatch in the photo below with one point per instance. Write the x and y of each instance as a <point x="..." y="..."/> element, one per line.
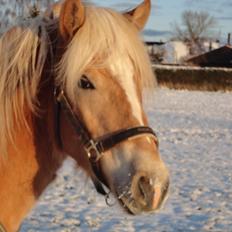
<point x="94" y="148"/>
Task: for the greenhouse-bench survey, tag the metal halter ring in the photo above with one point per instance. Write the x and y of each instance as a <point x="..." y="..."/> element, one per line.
<point x="92" y="151"/>
<point x="107" y="199"/>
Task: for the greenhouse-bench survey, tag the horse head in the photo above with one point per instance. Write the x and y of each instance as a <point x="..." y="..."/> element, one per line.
<point x="102" y="74"/>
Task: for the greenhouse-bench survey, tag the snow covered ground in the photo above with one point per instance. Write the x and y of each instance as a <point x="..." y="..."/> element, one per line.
<point x="195" y="131"/>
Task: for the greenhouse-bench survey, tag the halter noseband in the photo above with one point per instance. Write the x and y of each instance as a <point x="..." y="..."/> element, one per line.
<point x="94" y="147"/>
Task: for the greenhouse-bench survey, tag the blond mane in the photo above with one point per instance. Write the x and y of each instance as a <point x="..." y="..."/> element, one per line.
<point x="106" y="34"/>
<point x="23" y="50"/>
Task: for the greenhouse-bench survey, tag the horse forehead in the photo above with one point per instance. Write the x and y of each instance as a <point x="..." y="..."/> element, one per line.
<point x="124" y="72"/>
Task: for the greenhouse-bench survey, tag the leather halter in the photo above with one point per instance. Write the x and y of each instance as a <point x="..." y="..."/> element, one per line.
<point x="94" y="148"/>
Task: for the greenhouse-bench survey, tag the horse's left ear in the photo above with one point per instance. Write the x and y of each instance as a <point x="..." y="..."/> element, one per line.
<point x="72" y="17"/>
<point x="140" y="14"/>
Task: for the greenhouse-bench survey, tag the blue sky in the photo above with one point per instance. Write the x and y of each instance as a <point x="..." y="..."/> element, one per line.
<point x="165" y="12"/>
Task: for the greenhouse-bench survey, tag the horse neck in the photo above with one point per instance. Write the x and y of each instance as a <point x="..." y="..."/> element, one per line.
<point x="31" y="164"/>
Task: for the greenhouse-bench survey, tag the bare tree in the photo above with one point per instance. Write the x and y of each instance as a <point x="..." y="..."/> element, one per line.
<point x="194" y="29"/>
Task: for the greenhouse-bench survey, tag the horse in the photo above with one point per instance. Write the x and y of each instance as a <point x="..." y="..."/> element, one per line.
<point x="71" y="85"/>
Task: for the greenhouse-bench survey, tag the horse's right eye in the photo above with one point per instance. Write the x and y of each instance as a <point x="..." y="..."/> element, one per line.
<point x="84" y="83"/>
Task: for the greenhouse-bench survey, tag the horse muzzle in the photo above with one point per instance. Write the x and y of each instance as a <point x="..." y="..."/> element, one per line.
<point x="145" y="194"/>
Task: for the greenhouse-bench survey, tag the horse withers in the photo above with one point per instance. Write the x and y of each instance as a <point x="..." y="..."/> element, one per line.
<point x="71" y="84"/>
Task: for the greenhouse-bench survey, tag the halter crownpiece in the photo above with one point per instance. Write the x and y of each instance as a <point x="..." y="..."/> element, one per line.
<point x="94" y="148"/>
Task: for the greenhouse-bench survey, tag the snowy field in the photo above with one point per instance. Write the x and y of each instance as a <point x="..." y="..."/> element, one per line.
<point x="195" y="132"/>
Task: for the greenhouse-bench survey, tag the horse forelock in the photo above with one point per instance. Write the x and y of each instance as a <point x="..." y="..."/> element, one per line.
<point x="106" y="38"/>
<point x="23" y="51"/>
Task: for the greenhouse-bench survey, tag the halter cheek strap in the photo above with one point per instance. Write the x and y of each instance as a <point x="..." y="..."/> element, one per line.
<point x="95" y="148"/>
<point x="61" y="103"/>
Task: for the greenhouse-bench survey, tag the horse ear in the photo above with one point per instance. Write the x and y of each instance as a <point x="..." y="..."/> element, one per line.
<point x="140" y="14"/>
<point x="72" y="17"/>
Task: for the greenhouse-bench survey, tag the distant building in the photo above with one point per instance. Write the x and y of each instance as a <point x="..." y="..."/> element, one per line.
<point x="210" y="45"/>
<point x="221" y="57"/>
<point x="175" y="52"/>
<point x="172" y="52"/>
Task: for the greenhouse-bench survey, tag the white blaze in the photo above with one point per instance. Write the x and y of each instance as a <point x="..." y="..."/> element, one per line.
<point x="123" y="70"/>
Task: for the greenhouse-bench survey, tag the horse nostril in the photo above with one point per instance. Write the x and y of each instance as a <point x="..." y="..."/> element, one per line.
<point x="146" y="190"/>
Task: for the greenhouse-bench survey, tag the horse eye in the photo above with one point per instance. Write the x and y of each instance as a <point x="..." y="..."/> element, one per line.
<point x="84" y="83"/>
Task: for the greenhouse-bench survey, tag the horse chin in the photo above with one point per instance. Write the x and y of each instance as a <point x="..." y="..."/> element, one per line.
<point x="132" y="207"/>
<point x="129" y="204"/>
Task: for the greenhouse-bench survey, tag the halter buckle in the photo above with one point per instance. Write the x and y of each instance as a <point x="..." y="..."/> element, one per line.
<point x="92" y="151"/>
